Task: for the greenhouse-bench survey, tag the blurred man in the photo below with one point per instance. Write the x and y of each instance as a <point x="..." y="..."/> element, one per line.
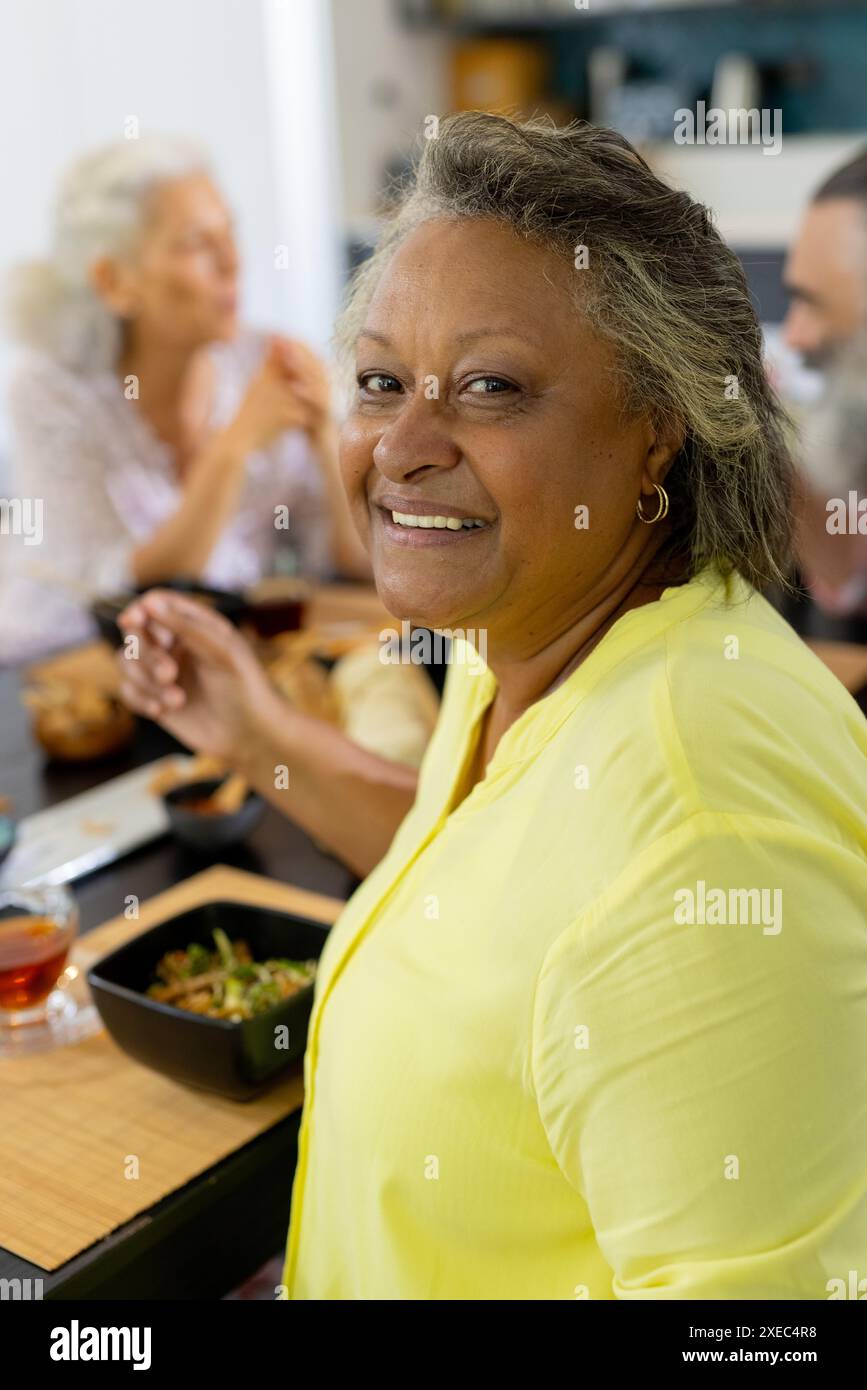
<point x="826" y="276"/>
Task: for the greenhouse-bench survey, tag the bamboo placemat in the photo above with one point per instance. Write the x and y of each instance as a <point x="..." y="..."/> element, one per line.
<point x="71" y="1120"/>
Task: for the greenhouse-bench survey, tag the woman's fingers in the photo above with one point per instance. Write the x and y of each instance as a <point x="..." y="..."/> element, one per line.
<point x="170" y="628"/>
<point x="149" y="678"/>
<point x="295" y="352"/>
<point x="302" y="381"/>
<point x="139" y="693"/>
<point x="145" y="695"/>
<point x="136" y="618"/>
<point x="301" y="364"/>
<point x="169" y="618"/>
<point x="306" y="393"/>
<point x="313" y="405"/>
<point x="149" y="663"/>
<point x="295" y="411"/>
<point x="285" y="353"/>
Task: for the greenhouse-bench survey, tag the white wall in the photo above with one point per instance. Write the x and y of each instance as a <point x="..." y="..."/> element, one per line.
<point x="72" y="71"/>
<point x="300" y="63"/>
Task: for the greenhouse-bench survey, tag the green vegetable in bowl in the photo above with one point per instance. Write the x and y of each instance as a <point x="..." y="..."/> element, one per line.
<point x="227" y="983"/>
<point x="224" y="946"/>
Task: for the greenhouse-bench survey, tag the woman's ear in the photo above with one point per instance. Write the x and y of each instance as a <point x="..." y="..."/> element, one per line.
<point x="108" y="280"/>
<point x="668" y="440"/>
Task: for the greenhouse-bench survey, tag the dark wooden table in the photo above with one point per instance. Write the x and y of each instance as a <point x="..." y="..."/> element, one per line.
<point x="204" y="1239"/>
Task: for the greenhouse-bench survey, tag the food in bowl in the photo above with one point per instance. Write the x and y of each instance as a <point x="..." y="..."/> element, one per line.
<point x="204" y="805"/>
<point x="223" y="821"/>
<point x="235" y="1058"/>
<point x="76" y="722"/>
<point x="174" y="773"/>
<point x="226" y="982"/>
<point x="207" y="809"/>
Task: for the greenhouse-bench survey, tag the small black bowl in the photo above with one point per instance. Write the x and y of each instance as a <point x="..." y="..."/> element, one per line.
<point x="236" y="1060"/>
<point x="205" y="832"/>
<point x="106" y="611"/>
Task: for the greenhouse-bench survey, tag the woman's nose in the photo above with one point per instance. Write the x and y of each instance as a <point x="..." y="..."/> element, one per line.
<point x="416" y="438"/>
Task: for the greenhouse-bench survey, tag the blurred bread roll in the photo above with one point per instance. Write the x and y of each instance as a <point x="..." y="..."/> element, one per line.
<point x="390" y="709"/>
<point x="305" y="684"/>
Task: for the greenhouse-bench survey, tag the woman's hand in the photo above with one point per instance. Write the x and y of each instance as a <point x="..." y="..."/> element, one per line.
<point x="188" y="668"/>
<point x="272" y="403"/>
<point x="192" y="672"/>
<point x="310" y="381"/>
<point x="308" y="376"/>
<point x="213" y="481"/>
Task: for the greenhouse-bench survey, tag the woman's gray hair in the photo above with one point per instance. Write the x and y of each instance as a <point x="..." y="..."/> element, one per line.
<point x="99" y="212"/>
<point x="661" y="284"/>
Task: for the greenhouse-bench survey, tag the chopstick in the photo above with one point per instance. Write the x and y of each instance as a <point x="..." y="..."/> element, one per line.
<point x="231" y="794"/>
<point x="45" y="575"/>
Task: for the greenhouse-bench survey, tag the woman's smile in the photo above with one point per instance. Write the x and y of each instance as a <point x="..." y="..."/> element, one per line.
<point x="420" y="523"/>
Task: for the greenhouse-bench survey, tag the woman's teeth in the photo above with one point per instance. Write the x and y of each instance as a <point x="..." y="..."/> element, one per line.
<point x="453" y="523"/>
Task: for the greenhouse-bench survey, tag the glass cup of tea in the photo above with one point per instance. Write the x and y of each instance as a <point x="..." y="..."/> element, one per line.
<point x="37" y="929"/>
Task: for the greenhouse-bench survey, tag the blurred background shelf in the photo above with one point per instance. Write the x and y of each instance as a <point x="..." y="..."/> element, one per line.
<point x="401" y="61"/>
<point x="525" y="15"/>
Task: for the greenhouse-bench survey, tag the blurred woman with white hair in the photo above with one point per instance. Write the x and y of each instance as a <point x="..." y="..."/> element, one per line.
<point x="153" y="437"/>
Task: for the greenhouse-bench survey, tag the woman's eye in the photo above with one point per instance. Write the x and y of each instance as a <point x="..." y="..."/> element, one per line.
<point x="489" y="386"/>
<point x="378" y="383"/>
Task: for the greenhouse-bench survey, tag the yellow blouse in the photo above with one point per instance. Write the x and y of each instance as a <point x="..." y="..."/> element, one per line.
<point x="601" y="1032"/>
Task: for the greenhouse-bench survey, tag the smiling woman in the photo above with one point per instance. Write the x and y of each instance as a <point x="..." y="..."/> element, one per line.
<point x="526" y="1075"/>
<point x="662" y="309"/>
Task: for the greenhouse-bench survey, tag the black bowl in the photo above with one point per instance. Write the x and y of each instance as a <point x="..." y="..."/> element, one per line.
<point x="237" y="1060"/>
<point x="210" y="832"/>
<point x="105" y="611"/>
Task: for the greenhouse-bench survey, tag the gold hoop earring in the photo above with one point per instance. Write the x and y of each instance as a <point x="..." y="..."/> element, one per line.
<point x="661" y="511"/>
